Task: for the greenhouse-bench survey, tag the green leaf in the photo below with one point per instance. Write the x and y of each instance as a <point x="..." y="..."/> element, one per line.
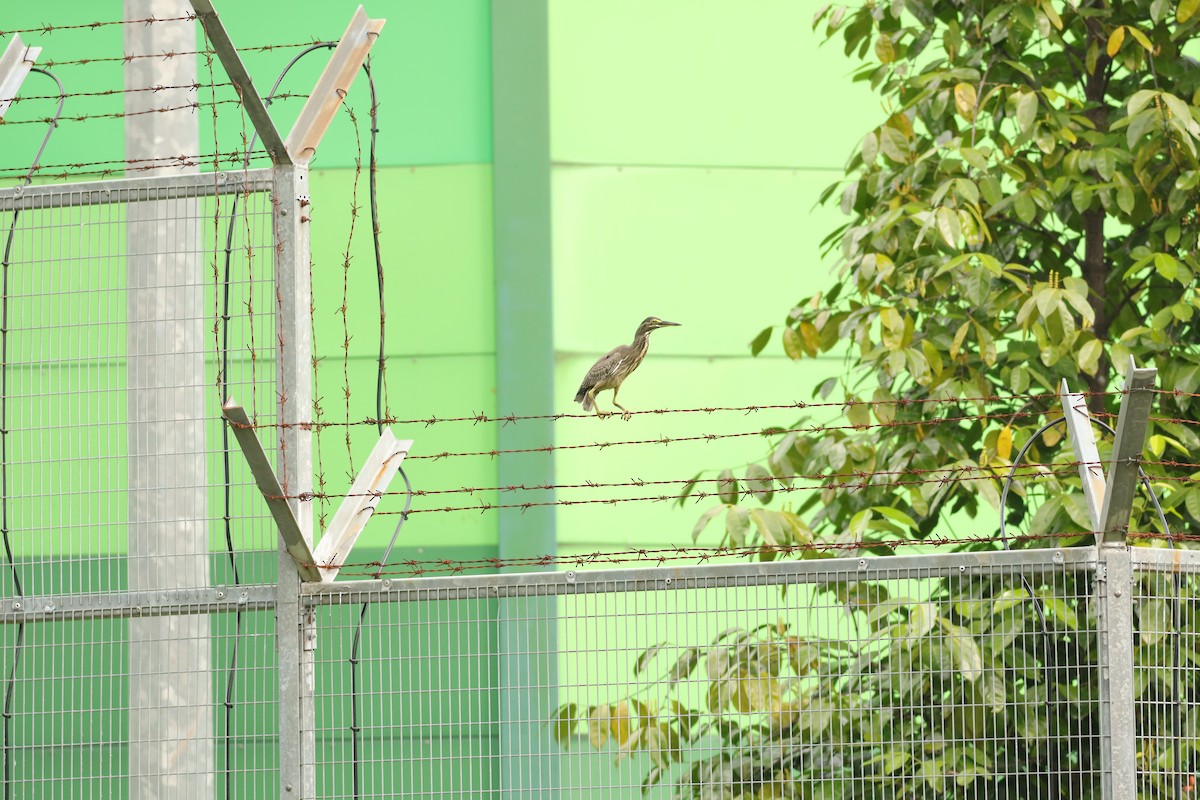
<point x="1140" y="99"/>
<point x="870" y="148"/>
<point x="645" y="658"/>
<point x="760" y="341"/>
<point x="1027" y="105"/>
<point x="948" y="226"/>
<point x="965" y="650"/>
<point x="737" y="525"/>
<point x="727" y="487"/>
<point x="563" y="723"/>
<point x="793" y="344"/>
<point x="896" y="515"/>
<point x="1088" y="357"/>
<point x="705" y="518"/>
<point x="759" y="483"/>
<point x="1154" y="621"/>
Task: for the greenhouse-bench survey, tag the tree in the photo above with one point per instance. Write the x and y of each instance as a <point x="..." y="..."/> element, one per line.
<point x="1024" y="213"/>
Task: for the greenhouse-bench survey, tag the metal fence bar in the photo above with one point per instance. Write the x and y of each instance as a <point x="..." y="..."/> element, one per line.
<point x="156" y="187"/>
<point x="296" y="633"/>
<point x="1114" y="621"/>
<point x="172" y="602"/>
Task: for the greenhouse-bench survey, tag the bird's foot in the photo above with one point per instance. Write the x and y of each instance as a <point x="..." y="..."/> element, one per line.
<point x="628" y="415"/>
<point x="603" y="414"/>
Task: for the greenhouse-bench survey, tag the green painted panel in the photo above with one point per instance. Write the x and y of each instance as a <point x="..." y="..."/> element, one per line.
<point x="681" y="82"/>
<point x="432" y="68"/>
<point x="711" y="249"/>
<point x="436" y="246"/>
<point x="666" y="382"/>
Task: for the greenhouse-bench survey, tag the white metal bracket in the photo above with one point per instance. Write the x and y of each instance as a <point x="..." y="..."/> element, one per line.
<point x="1110" y="499"/>
<point x="348" y="522"/>
<point x="333" y="86"/>
<point x="1083" y="441"/>
<point x="15" y="63"/>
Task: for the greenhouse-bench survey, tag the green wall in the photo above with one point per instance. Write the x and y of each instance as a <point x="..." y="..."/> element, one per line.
<point x="690" y="143"/>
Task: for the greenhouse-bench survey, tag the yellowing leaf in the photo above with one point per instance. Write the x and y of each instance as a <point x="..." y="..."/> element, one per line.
<point x="964" y="100"/>
<point x="1115" y="39"/>
<point x="598" y="723"/>
<point x="1004" y="443"/>
<point x="885" y="50"/>
<point x="1186" y="10"/>
<point x="619" y="723"/>
<point x="793" y="343"/>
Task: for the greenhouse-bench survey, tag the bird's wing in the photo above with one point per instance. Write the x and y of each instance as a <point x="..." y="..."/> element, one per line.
<point x="605" y="365"/>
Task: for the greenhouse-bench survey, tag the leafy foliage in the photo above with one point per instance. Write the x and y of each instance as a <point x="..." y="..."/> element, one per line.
<point x="1023" y="213"/>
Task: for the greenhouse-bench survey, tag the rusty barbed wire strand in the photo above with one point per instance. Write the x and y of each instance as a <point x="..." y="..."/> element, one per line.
<point x="827" y="481"/>
<point x="483" y="507"/>
<point x="48" y="29"/>
<point x="194" y="87"/>
<point x="506" y="419"/>
<point x="127" y="57"/>
<point x="662" y="555"/>
<point x="710" y="437"/>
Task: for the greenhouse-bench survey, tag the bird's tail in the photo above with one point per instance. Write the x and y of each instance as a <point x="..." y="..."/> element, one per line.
<point x="582" y="397"/>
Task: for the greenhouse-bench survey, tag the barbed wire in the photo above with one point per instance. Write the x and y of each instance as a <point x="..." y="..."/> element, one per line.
<point x="506" y="419"/>
<point x="695" y="554"/>
<point x="191" y="87"/>
<point x="850" y="479"/>
<point x="42" y="30"/>
<point x="166" y="56"/>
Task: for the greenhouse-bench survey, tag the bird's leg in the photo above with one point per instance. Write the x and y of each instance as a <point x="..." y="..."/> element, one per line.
<point x="625" y="414"/>
<point x="596" y="406"/>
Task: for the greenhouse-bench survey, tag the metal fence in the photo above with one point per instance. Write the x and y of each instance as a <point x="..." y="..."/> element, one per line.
<point x="157" y="642"/>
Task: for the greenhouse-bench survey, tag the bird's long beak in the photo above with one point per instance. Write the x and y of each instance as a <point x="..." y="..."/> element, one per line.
<point x="664" y="324"/>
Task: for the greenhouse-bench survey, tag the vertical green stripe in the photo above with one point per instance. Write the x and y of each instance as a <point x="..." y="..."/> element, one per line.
<point x="524" y="379"/>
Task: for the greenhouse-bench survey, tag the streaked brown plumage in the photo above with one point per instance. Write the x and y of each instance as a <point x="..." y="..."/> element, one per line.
<point x="615" y="366"/>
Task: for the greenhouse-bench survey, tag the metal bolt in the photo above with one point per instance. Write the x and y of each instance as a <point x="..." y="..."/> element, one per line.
<point x="387" y="584"/>
<point x="668" y="581"/>
<point x="283" y="212"/>
<point x="49" y="606"/>
<point x="862" y="563"/>
<point x="288" y="787"/>
<point x="1057" y="558"/>
<point x="220" y="594"/>
<point x="16" y="605"/>
<point x="1116" y="591"/>
<point x="962" y="567"/>
<point x="570" y="577"/>
<point x="222" y="177"/>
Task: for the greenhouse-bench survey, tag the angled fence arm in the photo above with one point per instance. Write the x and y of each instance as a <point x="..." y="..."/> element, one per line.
<point x="252" y="101"/>
<point x="15" y="63"/>
<point x="264" y="476"/>
<point x="1083" y="442"/>
<point x="1132" y="422"/>
<point x="332" y="87"/>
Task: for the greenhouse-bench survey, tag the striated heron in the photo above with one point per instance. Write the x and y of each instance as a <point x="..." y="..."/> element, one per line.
<point x="618" y="364"/>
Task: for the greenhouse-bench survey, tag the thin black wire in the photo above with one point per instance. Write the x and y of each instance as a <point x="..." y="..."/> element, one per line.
<point x="355" y="728"/>
<point x="11" y="682"/>
<point x="231" y="677"/>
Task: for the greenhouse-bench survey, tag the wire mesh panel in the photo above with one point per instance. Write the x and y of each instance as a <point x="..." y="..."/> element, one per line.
<point x="131" y="309"/>
<point x="1166" y="652"/>
<point x="103" y="337"/>
<point x="939" y="676"/>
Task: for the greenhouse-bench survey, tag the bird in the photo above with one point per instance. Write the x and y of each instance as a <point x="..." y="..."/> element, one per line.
<point x="615" y="366"/>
